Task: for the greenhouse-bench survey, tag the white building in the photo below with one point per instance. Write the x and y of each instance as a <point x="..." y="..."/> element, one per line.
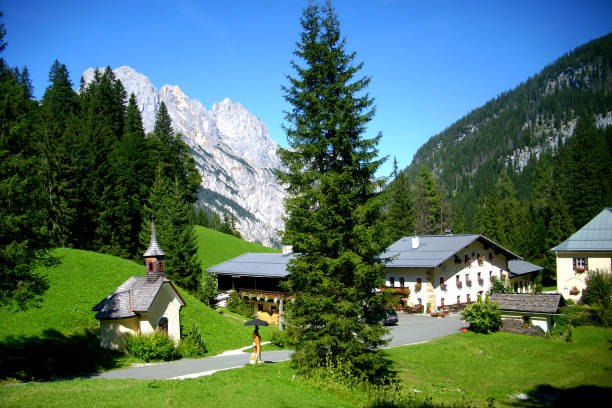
<point x="442" y="270"/>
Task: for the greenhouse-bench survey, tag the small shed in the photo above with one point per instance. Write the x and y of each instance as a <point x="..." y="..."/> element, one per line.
<point x="142" y="304"/>
<point x="536" y="309"/>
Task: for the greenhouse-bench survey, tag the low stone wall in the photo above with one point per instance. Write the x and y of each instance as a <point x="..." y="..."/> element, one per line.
<point x="516" y="326"/>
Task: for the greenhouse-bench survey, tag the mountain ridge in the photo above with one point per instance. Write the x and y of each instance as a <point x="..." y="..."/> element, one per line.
<point x="521" y="124"/>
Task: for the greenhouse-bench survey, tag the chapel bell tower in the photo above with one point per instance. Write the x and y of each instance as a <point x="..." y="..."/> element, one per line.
<point x="154" y="257"/>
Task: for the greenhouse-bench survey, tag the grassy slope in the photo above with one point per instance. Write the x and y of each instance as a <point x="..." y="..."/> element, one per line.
<point x="471" y="366"/>
<point x="215" y="247"/>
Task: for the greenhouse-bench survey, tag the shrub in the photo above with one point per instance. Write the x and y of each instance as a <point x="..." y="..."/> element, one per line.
<point x="500" y="285"/>
<point x="598" y="289"/>
<point x="192" y="344"/>
<point x="483" y="317"/>
<point x="209" y="288"/>
<point x="154" y="346"/>
<point x="280" y="339"/>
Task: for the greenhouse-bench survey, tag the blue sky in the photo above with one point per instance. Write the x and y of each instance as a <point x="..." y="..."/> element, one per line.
<point x="431" y="62"/>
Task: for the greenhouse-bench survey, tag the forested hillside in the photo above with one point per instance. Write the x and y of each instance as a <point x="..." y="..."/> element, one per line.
<point x="526" y="169"/>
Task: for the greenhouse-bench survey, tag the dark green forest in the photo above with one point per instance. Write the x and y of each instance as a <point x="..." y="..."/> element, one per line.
<point x="465" y="180"/>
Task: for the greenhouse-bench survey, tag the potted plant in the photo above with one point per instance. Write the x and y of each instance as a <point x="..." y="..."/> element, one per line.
<point x="580" y="269"/>
<point x="468" y="262"/>
<point x="492" y="278"/>
<point x="459" y="284"/>
<point x="468" y="282"/>
<point x="417" y="287"/>
<point x="443" y="286"/>
<point x="574" y="291"/>
<point x="481" y="260"/>
<point x="480" y="281"/>
<point x="428" y="307"/>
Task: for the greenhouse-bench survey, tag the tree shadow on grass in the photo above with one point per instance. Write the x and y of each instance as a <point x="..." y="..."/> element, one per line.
<point x="54" y="355"/>
<point x="545" y="396"/>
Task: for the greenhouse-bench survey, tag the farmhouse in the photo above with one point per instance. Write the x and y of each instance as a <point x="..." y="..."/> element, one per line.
<point x="589" y="248"/>
<point x="442" y="270"/>
<point x="142" y="304"/>
<point x="257" y="276"/>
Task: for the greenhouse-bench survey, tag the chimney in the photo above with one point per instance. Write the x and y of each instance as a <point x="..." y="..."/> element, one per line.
<point x="415" y="242"/>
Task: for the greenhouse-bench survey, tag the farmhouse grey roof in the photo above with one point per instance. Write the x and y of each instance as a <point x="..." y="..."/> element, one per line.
<point x="527" y="302"/>
<point x="268" y="265"/>
<point x="135" y="295"/>
<point x="595" y="236"/>
<point x="433" y="250"/>
<point x="518" y="267"/>
<point x="153" y="250"/>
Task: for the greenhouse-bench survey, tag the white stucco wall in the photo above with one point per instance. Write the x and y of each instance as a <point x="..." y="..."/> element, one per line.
<point x="113" y="333"/>
<point x="450" y="270"/>
<point x="567" y="277"/>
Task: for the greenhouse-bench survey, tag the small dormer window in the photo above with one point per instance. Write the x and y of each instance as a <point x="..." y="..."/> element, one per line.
<point x="150" y="266"/>
<point x="161" y="267"/>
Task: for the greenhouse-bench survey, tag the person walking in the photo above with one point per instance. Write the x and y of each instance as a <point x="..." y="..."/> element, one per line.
<point x="257" y="345"/>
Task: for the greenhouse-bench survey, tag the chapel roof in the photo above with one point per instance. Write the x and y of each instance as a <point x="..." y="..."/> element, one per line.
<point x="135" y="295"/>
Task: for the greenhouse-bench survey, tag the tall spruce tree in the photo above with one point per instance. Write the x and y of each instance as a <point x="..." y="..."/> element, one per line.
<point x="175" y="232"/>
<point x="23" y="241"/>
<point x="172" y="155"/>
<point x="59" y="109"/>
<point x="333" y="212"/>
<point x="426" y="204"/>
<point x="399" y="214"/>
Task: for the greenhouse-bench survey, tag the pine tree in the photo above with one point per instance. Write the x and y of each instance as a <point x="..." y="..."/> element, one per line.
<point x="590" y="172"/>
<point x="101" y="128"/>
<point x="59" y="109"/>
<point x="175" y="233"/>
<point x="130" y="169"/>
<point x="23" y="241"/>
<point x="400" y="215"/>
<point x="173" y="157"/>
<point x="333" y="212"/>
<point x="427" y="203"/>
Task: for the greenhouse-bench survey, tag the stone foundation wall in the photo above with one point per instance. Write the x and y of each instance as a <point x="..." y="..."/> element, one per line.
<point x="516" y="326"/>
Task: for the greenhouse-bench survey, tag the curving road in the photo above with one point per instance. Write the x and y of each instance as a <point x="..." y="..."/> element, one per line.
<point x="411" y="329"/>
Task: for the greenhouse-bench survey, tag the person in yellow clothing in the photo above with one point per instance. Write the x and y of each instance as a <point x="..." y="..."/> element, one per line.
<point x="257" y="345"/>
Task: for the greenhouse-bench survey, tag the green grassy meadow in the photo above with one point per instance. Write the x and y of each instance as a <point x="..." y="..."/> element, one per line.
<point x="215" y="247"/>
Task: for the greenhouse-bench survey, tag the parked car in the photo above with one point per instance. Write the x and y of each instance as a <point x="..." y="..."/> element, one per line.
<point x="390" y="318"/>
